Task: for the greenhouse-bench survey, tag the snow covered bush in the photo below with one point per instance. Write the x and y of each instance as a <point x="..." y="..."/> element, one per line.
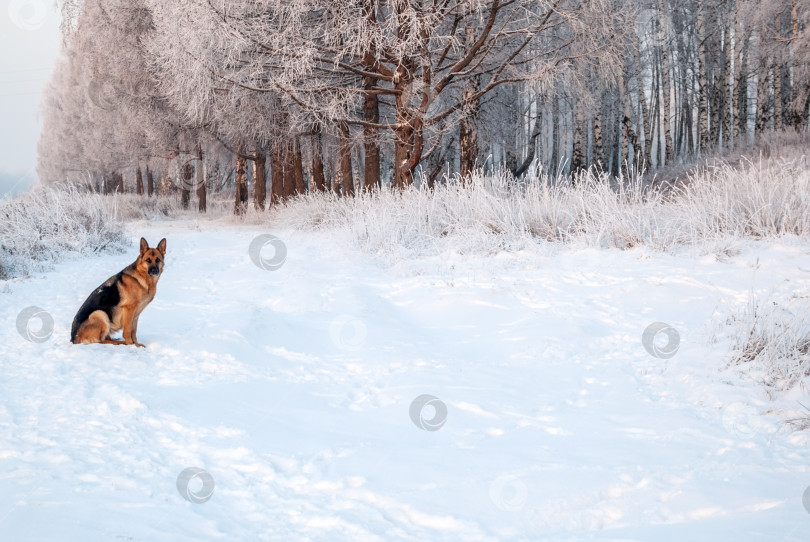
<point x="771" y="339"/>
<point x="129" y="206"/>
<point x="711" y="208"/>
<point x="41" y="226"/>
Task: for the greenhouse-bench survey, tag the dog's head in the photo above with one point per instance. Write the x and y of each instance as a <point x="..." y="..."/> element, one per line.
<point x="150" y="260"/>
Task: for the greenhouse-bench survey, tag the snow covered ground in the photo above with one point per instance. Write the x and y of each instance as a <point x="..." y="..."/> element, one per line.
<point x="292" y="388"/>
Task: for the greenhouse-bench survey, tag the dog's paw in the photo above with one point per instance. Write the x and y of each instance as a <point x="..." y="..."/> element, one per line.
<point x="140" y="345"/>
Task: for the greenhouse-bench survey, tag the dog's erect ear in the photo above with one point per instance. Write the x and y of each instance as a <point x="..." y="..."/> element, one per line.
<point x="144" y="245"/>
<point x="162" y="246"/>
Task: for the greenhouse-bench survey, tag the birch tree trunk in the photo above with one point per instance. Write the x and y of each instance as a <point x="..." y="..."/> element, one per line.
<point x="511" y="142"/>
<point x="629" y="136"/>
<point x="645" y="113"/>
<point x="662" y="14"/>
<point x="703" y="105"/>
<point x="598" y="156"/>
<point x="741" y="91"/>
<point x="763" y="107"/>
<point x="531" y="147"/>
<point x="777" y="95"/>
<point x="554" y="161"/>
<point x="577" y="154"/>
<point x="795" y="108"/>
<point x="728" y="77"/>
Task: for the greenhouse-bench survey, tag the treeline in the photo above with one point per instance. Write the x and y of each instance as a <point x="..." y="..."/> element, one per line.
<point x="297" y="95"/>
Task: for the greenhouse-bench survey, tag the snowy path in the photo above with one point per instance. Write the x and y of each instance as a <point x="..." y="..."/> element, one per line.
<point x="292" y="389"/>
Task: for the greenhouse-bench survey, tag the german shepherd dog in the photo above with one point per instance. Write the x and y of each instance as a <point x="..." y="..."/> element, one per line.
<point x="117" y="304"/>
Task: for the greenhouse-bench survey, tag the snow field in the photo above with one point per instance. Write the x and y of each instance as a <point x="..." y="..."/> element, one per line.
<point x="293" y="389"/>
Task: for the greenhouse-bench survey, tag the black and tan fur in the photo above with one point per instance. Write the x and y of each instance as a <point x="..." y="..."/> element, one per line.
<point x="117" y="304"/>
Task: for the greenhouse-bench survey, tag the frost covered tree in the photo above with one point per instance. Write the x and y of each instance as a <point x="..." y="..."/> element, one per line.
<point x="353" y="95"/>
<point x="104" y="95"/>
<point x="413" y="69"/>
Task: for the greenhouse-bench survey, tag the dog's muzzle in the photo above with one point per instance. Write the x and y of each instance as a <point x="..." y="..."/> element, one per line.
<point x="154" y="271"/>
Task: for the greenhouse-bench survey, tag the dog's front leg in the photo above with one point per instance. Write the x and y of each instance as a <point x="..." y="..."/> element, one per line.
<point x="128" y="319"/>
<point x="135" y="331"/>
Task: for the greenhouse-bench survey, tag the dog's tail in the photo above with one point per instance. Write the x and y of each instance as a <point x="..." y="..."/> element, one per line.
<point x="74" y="329"/>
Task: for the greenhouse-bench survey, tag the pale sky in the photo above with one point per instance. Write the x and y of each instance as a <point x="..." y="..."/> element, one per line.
<point x="29" y="45"/>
